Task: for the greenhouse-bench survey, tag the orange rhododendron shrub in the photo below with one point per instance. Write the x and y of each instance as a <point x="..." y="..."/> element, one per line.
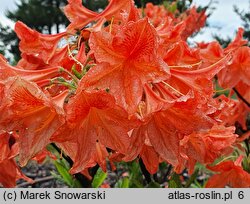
<point x="124" y="85"/>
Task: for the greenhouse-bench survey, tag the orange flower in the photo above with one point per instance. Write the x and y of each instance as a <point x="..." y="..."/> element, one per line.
<point x="93" y="116"/>
<point x="10" y="172"/>
<point x="36" y="116"/>
<point x="37" y="44"/>
<point x="237" y="42"/>
<point x="238" y="70"/>
<point x="123" y="70"/>
<point x="7" y="71"/>
<point x="205" y="146"/>
<point x="150" y="158"/>
<point x="194" y="21"/>
<point x="164" y="130"/>
<point x="80" y="16"/>
<point x="230" y="174"/>
<point x="60" y="58"/>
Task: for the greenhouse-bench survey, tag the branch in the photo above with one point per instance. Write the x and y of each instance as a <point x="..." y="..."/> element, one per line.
<point x="35" y="181"/>
<point x="145" y="172"/>
<point x="241" y="97"/>
<point x="169" y="168"/>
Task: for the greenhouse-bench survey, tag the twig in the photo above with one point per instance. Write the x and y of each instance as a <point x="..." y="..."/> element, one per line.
<point x="167" y="172"/>
<point x="35" y="181"/>
<point x="145" y="172"/>
<point x="241" y="97"/>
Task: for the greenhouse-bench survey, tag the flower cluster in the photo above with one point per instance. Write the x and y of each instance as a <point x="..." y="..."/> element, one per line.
<point x="123" y="84"/>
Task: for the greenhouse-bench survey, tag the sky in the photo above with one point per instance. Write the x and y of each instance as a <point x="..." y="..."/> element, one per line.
<point x="222" y="17"/>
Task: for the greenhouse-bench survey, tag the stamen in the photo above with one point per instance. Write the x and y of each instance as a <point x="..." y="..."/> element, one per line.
<point x="219" y="91"/>
<point x="111" y="24"/>
<point x="72" y="56"/>
<point x="221" y="60"/>
<point x="227" y="158"/>
<point x="186" y="66"/>
<point x="172" y="88"/>
<point x="140" y="110"/>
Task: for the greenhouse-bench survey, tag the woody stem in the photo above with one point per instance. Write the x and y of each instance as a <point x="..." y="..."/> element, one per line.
<point x="145" y="172"/>
<point x="241" y="97"/>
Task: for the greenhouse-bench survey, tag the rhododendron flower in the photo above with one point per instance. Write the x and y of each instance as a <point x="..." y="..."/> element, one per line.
<point x="127" y="86"/>
<point x="7" y="71"/>
<point x="206" y="146"/>
<point x="238" y="70"/>
<point x="123" y="70"/>
<point x="80" y="16"/>
<point x="36" y="116"/>
<point x="230" y="174"/>
<point x="194" y="21"/>
<point x="10" y="172"/>
<point x="166" y="128"/>
<point x="35" y="43"/>
<point x="33" y="62"/>
<point x="156" y="14"/>
<point x="91" y="117"/>
<point x="237" y="42"/>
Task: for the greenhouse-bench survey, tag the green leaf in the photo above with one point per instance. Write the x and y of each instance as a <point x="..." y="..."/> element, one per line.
<point x="246" y="164"/>
<point x="135" y="178"/>
<point x="122" y="183"/>
<point x="198" y="184"/>
<point x="175" y="181"/>
<point x="125" y="182"/>
<point x="172" y="8"/>
<point x="99" y="178"/>
<point x="57" y="176"/>
<point x="63" y="171"/>
<point x="192" y="178"/>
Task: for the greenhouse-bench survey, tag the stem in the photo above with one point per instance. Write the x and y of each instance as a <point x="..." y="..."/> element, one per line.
<point x="241" y="97"/>
<point x="76" y="80"/>
<point x="240" y="131"/>
<point x="143" y="7"/>
<point x="192" y="178"/>
<point x="39" y="180"/>
<point x="247" y="147"/>
<point x="69" y="85"/>
<point x="144" y="171"/>
<point x="167" y="172"/>
<point x="155" y="177"/>
<point x="67" y="158"/>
